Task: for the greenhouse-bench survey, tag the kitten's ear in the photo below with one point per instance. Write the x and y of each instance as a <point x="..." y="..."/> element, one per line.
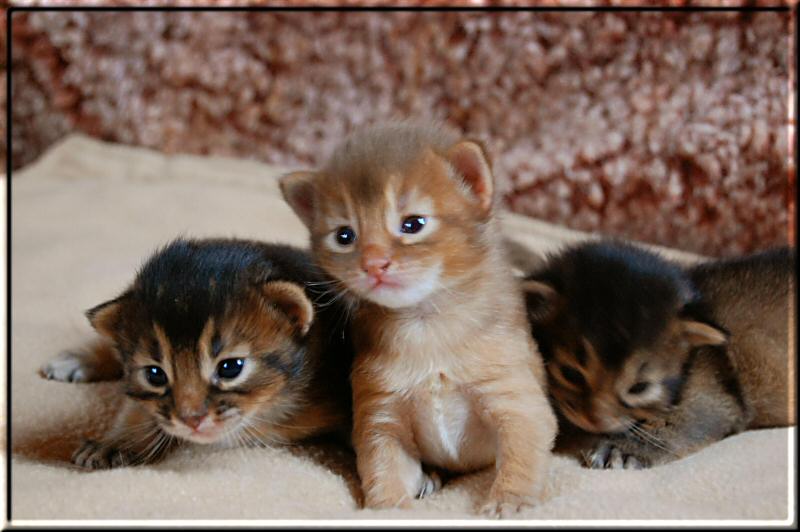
<point x="105" y="318"/>
<point x="291" y="300"/>
<point x="298" y="191"/>
<point x="698" y="333"/>
<point x="470" y="161"/>
<point x="541" y="300"/>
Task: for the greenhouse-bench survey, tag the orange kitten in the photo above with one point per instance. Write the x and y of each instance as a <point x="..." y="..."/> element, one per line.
<point x="445" y="372"/>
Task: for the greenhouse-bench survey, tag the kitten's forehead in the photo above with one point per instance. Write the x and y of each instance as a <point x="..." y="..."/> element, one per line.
<point x="621" y="297"/>
<point x="397" y="195"/>
<point x="390" y="156"/>
<point x="156" y="347"/>
<point x="194" y="366"/>
<point x="414" y="199"/>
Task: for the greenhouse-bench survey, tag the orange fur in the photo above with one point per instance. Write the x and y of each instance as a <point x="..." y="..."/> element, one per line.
<point x="446" y="373"/>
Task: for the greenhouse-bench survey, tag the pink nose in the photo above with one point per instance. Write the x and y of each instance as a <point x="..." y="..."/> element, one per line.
<point x="376" y="268"/>
<point x="374" y="260"/>
<point x="193" y="421"/>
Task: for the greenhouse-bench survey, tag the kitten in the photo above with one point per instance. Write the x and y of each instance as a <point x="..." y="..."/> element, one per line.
<point x="216" y="341"/>
<point x="445" y="372"/>
<point x="660" y="359"/>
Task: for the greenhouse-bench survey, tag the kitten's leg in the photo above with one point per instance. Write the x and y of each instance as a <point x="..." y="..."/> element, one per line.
<point x="391" y="473"/>
<point x="98" y="361"/>
<point x="134" y="439"/>
<point x="515" y="405"/>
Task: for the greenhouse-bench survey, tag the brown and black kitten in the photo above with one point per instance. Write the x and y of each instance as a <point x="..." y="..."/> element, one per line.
<point x="445" y="373"/>
<point x="659" y="359"/>
<point x="216" y="341"/>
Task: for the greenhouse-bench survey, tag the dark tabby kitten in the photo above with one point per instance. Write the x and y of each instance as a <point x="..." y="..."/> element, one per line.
<point x="663" y="360"/>
<point x="216" y="341"/>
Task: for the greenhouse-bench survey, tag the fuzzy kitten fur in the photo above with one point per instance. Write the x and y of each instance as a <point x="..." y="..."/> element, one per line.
<point x="659" y="360"/>
<point x="445" y="374"/>
<point x="216" y="341"/>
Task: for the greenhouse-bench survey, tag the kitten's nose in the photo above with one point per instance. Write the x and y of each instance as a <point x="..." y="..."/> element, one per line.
<point x="194" y="421"/>
<point x="374" y="260"/>
<point x="193" y="416"/>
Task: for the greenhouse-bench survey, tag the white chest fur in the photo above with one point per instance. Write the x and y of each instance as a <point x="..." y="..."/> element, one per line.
<point x="447" y="429"/>
<point x="429" y="369"/>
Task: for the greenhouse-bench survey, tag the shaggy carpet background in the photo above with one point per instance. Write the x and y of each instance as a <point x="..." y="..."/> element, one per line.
<point x="668" y="128"/>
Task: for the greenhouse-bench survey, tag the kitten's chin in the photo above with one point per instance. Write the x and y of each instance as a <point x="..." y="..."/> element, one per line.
<point x="393" y="297"/>
<point x="207" y="439"/>
<point x="400" y="293"/>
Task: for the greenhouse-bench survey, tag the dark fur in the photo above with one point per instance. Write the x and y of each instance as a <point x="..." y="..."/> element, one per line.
<point x="619" y="297"/>
<point x="189" y="284"/>
<point x="189" y="281"/>
<point x="622" y="299"/>
<point x="750" y="296"/>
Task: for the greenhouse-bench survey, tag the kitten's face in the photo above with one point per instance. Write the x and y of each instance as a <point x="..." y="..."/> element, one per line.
<point x="600" y="398"/>
<point x="395" y="237"/>
<point x="607" y="368"/>
<point x="244" y="367"/>
<point x="609" y="320"/>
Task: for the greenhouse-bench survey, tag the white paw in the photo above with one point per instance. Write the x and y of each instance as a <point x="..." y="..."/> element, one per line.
<point x="607" y="456"/>
<point x="67" y="366"/>
<point x="429" y="484"/>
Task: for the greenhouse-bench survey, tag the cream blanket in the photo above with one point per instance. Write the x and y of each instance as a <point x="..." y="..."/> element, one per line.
<point x="84" y="218"/>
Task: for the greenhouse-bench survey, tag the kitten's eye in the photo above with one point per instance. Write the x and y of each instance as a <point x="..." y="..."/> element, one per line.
<point x="638" y="388"/>
<point x="572" y="375"/>
<point x="155" y="376"/>
<point x="413" y="224"/>
<point x="345" y="236"/>
<point x="230" y="368"/>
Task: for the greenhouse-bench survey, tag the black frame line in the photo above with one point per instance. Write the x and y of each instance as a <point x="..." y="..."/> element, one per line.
<point x="11" y="10"/>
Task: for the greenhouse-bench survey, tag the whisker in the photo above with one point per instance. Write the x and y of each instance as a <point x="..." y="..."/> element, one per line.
<point x="652" y="439"/>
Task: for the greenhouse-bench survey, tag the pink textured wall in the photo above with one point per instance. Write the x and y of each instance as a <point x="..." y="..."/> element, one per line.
<point x="670" y="128"/>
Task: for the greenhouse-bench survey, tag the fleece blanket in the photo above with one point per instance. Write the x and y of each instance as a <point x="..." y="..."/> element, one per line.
<point x="84" y="217"/>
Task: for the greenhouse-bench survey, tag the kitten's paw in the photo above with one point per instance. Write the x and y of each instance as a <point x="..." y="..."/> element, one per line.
<point x="430" y="483"/>
<point x="504" y="506"/>
<point x="95" y="455"/>
<point x="385" y="501"/>
<point x="67" y="366"/>
<point x="607" y="456"/>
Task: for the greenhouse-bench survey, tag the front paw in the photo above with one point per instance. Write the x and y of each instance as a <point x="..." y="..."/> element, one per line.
<point x="505" y="506"/>
<point x="608" y="456"/>
<point x="382" y="501"/>
<point x="67" y="366"/>
<point x="95" y="455"/>
<point x="429" y="484"/>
